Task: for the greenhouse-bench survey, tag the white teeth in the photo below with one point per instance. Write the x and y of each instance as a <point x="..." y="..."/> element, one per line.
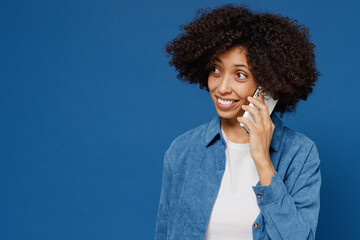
<point x="225" y="102"/>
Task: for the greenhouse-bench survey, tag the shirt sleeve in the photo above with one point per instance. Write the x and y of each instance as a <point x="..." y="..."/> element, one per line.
<point x="163" y="208"/>
<point x="292" y="215"/>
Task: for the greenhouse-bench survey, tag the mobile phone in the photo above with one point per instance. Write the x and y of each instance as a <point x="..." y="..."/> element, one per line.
<point x="269" y="101"/>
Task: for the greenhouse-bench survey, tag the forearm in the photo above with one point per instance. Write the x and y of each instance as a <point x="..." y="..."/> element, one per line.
<point x="292" y="215"/>
<point x="266" y="171"/>
<point x="283" y="219"/>
<point x="163" y="209"/>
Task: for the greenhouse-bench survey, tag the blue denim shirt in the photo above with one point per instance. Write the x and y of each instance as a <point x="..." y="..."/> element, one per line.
<point x="193" y="168"/>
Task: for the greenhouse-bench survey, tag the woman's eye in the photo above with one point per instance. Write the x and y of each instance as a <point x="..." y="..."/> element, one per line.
<point x="214" y="69"/>
<point x="241" y="75"/>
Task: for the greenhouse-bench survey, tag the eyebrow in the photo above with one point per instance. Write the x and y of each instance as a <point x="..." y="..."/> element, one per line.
<point x="236" y="65"/>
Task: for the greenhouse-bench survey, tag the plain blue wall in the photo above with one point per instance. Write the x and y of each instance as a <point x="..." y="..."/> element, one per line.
<point x="89" y="104"/>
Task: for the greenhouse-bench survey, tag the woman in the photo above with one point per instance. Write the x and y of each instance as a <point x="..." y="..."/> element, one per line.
<point x="219" y="182"/>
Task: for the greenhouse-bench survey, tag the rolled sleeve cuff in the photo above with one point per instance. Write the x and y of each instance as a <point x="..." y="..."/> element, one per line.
<point x="272" y="192"/>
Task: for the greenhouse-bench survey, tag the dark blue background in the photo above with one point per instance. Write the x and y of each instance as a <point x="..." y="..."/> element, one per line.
<point x="89" y="104"/>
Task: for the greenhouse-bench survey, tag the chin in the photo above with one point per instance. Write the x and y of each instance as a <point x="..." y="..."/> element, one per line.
<point x="228" y="115"/>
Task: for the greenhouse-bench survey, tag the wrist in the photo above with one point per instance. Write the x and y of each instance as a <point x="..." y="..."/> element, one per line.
<point x="266" y="171"/>
<point x="264" y="164"/>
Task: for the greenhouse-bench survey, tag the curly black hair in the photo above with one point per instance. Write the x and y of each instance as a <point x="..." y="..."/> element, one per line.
<point x="278" y="51"/>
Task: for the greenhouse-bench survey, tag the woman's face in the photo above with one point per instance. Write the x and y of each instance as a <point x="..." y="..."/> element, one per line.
<point x="231" y="79"/>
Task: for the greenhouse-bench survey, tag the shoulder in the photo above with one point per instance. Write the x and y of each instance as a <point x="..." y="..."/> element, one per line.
<point x="298" y="146"/>
<point x="298" y="154"/>
<point x="190" y="139"/>
<point x="294" y="138"/>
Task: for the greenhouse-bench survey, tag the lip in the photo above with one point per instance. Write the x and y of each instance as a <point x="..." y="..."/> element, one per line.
<point x="226" y="99"/>
<point x="225" y="107"/>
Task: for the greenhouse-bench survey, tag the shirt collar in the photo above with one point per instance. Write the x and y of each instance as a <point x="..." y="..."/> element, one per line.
<point x="214" y="129"/>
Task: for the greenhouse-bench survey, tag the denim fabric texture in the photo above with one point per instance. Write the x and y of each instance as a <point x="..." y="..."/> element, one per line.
<point x="193" y="168"/>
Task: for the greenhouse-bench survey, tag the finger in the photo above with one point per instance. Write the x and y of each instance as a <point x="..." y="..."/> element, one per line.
<point x="259" y="103"/>
<point x="248" y="123"/>
<point x="266" y="119"/>
<point x="255" y="113"/>
<point x="265" y="112"/>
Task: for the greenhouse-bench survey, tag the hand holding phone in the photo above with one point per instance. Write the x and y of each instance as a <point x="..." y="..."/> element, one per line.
<point x="269" y="101"/>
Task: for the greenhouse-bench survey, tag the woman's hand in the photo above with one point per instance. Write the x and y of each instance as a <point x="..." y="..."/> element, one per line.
<point x="260" y="137"/>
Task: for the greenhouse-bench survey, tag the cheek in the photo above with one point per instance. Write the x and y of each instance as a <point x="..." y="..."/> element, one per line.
<point x="211" y="84"/>
<point x="245" y="90"/>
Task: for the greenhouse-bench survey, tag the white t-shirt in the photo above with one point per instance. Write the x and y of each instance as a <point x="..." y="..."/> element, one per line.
<point x="235" y="208"/>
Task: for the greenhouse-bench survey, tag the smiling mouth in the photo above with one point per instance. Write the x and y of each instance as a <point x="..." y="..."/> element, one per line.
<point x="225" y="102"/>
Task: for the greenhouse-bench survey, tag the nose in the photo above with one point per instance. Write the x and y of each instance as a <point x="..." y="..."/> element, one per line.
<point x="225" y="85"/>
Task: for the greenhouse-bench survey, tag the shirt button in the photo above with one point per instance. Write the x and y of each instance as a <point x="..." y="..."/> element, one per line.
<point x="225" y="146"/>
<point x="256" y="225"/>
<point x="259" y="196"/>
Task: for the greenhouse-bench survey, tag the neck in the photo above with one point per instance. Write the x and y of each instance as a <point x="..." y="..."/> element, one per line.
<point x="233" y="130"/>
